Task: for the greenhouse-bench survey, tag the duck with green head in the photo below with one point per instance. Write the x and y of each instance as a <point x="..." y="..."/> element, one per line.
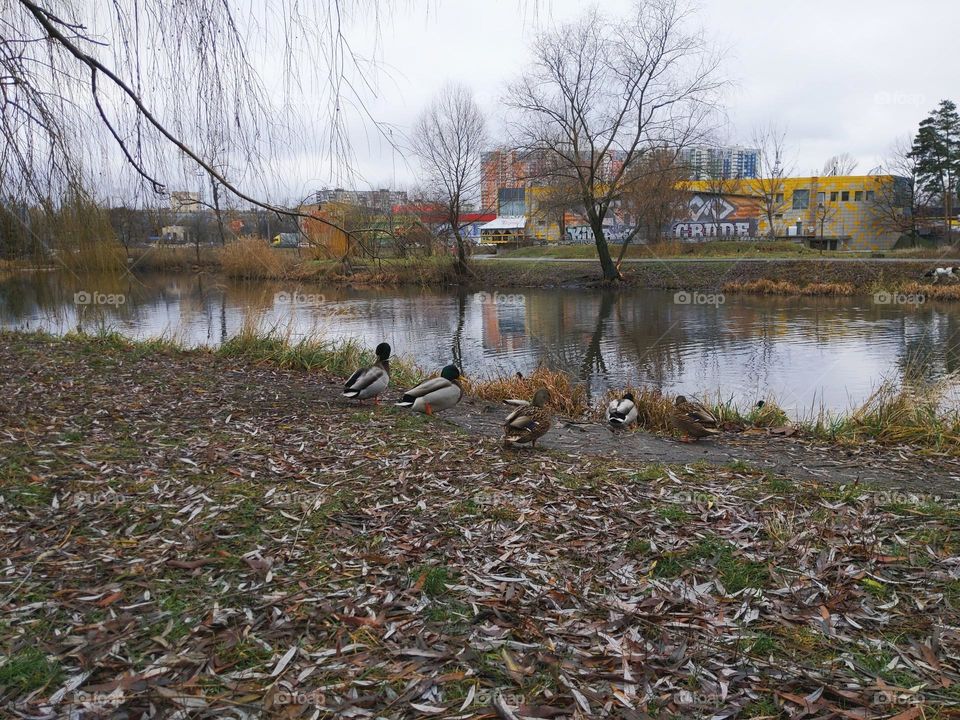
<point x="369" y="382"/>
<point x="436" y="394"/>
<point x="528" y="423"/>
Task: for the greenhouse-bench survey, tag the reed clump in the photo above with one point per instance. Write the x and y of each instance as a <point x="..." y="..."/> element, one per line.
<point x="764" y="286"/>
<point x="107" y="256"/>
<point x="253" y="258"/>
<point x="566" y="397"/>
<point x="930" y="291"/>
<point x="415" y="270"/>
<point x="341" y="357"/>
<point x="655" y="411"/>
<point x="898" y="414"/>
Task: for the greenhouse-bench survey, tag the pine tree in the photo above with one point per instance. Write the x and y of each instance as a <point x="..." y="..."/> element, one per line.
<point x="936" y="150"/>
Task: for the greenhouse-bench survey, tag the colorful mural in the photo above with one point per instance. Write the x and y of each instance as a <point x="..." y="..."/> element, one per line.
<point x="714" y="215"/>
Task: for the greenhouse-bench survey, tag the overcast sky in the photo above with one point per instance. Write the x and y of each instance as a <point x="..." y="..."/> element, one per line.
<point x="847" y="76"/>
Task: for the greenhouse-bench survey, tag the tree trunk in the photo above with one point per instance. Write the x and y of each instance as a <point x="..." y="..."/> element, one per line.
<point x="462" y="268"/>
<point x="607" y="266"/>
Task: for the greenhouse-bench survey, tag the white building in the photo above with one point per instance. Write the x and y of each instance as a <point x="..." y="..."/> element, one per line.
<point x="721" y="162"/>
<point x="383" y="199"/>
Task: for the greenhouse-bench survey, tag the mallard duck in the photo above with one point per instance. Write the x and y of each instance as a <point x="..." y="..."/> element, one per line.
<point x="693" y="419"/>
<point x="622" y="412"/>
<point x="436" y="394"/>
<point x="528" y="423"/>
<point x="945" y="272"/>
<point x="369" y="382"/>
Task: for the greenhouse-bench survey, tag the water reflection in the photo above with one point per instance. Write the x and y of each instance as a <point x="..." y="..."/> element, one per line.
<point x="807" y="352"/>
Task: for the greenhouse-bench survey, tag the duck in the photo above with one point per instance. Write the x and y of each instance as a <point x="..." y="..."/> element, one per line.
<point x="369" y="382"/>
<point x="694" y="420"/>
<point x="945" y="272"/>
<point x="528" y="423"/>
<point x="622" y="412"/>
<point x="439" y="393"/>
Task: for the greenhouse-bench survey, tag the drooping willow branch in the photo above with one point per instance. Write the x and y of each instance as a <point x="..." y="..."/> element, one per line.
<point x="50" y="22"/>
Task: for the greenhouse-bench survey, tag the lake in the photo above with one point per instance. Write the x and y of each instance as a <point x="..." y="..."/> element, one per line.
<point x="805" y="352"/>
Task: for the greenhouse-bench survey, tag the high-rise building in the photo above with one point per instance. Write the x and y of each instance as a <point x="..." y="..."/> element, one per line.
<point x="503" y="170"/>
<point x="720" y="162"/>
<point x="382" y="199"/>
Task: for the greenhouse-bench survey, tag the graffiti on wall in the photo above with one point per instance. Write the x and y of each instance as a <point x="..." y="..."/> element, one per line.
<point x="711" y="215"/>
<point x="584" y="233"/>
<point x="743" y="228"/>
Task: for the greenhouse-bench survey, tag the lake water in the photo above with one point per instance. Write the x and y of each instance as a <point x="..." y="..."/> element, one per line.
<point x="807" y="353"/>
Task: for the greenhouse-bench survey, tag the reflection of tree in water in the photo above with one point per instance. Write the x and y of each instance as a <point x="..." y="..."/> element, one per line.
<point x="565" y="331"/>
<point x="456" y="350"/>
<point x="652" y="336"/>
<point x="593" y="362"/>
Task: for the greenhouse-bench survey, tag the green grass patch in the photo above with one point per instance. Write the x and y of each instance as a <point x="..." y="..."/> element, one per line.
<point x="637" y="546"/>
<point x="720" y="558"/>
<point x="672" y="513"/>
<point x="765" y="707"/>
<point x="434" y="580"/>
<point x="242" y="655"/>
<point x="467" y="507"/>
<point x="20" y="489"/>
<point x="29" y="670"/>
<point x="650" y="473"/>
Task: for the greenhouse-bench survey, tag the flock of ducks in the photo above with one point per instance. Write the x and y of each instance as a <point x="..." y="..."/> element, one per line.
<point x="530" y="420"/>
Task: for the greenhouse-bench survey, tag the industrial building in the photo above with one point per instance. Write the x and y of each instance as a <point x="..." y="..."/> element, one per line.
<point x="838" y="211"/>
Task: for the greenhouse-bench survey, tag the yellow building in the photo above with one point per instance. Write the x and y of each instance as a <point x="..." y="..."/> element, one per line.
<point x="843" y="210"/>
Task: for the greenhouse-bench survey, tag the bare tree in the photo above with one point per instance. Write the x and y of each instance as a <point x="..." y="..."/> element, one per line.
<point x="842" y="164"/>
<point x="600" y="93"/>
<point x="448" y="139"/>
<point x="901" y="203"/>
<point x="772" y="169"/>
<point x="658" y="197"/>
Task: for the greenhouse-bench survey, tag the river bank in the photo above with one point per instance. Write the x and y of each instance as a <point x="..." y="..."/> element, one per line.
<point x="702" y="268"/>
<point x="209" y="534"/>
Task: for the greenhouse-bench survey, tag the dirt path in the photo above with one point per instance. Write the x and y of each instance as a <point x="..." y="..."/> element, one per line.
<point x="800" y="459"/>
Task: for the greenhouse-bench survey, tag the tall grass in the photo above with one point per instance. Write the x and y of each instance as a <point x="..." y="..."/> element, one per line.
<point x="415" y="270"/>
<point x="654" y="409"/>
<point x="785" y="287"/>
<point x="930" y="291"/>
<point x="253" y="258"/>
<point x="107" y="256"/>
<point x="897" y="414"/>
<point x="565" y="396"/>
<point x="337" y="357"/>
